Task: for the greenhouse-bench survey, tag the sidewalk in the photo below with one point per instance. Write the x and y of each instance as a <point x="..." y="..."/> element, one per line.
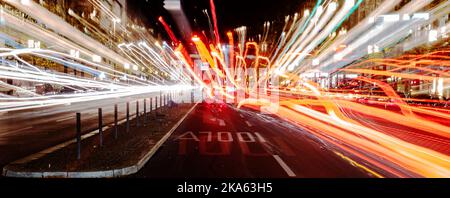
<point x="117" y="157"/>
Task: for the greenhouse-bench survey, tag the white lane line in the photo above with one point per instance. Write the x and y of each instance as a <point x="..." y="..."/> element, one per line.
<point x="221" y="122"/>
<point x="284" y="166"/>
<point x="248" y="123"/>
<point x="64" y="119"/>
<point x="260" y="137"/>
<point x="241" y="115"/>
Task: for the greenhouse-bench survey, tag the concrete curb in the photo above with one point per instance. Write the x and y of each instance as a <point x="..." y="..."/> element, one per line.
<point x="90" y="174"/>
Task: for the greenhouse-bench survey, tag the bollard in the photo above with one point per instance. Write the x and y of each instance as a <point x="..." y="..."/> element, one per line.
<point x="128" y="117"/>
<point x="151" y="104"/>
<point x="78" y="135"/>
<point x="137" y="113"/>
<point x="115" y="122"/>
<point x="145" y="111"/>
<point x="100" y="126"/>
<point x="167" y="99"/>
<point x="156" y="105"/>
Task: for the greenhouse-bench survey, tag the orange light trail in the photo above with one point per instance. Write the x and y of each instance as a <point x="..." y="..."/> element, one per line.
<point x="329" y="112"/>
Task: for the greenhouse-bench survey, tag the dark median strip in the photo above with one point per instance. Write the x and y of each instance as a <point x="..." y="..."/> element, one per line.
<point x="117" y="157"/>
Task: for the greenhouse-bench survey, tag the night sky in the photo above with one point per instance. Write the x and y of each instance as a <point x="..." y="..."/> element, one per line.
<point x="230" y="13"/>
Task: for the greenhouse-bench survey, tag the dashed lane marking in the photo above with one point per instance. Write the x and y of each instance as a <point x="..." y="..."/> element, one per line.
<point x="248" y="124"/>
<point x="221" y="122"/>
<point x="284" y="166"/>
<point x="260" y="137"/>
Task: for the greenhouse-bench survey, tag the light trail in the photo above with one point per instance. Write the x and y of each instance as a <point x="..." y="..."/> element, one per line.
<point x="366" y="108"/>
<point x="96" y="79"/>
<point x="324" y="110"/>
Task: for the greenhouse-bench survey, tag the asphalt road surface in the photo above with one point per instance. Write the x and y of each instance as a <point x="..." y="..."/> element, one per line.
<point x="232" y="143"/>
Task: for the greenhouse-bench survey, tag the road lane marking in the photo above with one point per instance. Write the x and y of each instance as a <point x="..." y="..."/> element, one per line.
<point x="248" y="123"/>
<point x="64" y="119"/>
<point x="221" y="122"/>
<point x="260" y="137"/>
<point x="208" y="133"/>
<point x="354" y="163"/>
<point x="185" y="136"/>
<point x="221" y="139"/>
<point x="284" y="166"/>
<point x="210" y="136"/>
<point x="250" y="137"/>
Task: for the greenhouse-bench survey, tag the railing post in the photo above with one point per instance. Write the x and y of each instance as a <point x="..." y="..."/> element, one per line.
<point x="115" y="122"/>
<point x="145" y="111"/>
<point x="137" y="113"/>
<point x="156" y="105"/>
<point x="128" y="117"/>
<point x="100" y="126"/>
<point x="78" y="135"/>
